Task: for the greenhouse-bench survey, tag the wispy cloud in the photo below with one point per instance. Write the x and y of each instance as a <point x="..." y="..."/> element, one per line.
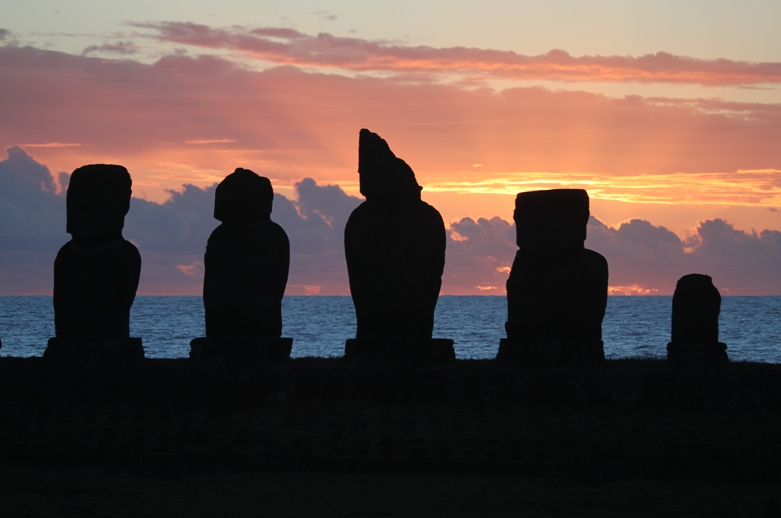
<point x="209" y="141"/>
<point x="185" y="119"/>
<point x="289" y="46"/>
<point x="51" y="144"/>
<point x="325" y="15"/>
<point x="121" y="47"/>
<point x="748" y="188"/>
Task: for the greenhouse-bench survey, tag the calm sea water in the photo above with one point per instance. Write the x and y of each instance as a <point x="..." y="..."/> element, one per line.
<point x="633" y="326"/>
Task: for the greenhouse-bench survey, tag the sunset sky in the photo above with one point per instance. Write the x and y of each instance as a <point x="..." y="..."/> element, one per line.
<point x="667" y="112"/>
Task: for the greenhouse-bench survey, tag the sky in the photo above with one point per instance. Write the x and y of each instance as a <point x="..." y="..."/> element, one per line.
<point x="668" y="113"/>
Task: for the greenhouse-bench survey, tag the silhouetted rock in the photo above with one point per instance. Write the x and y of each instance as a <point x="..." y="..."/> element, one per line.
<point x="395" y="249"/>
<point x="557" y="289"/>
<point x="695" y="324"/>
<point x="96" y="273"/>
<point x="246" y="261"/>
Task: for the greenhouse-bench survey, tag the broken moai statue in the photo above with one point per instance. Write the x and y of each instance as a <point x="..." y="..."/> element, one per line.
<point x="246" y="262"/>
<point x="96" y="273"/>
<point x="557" y="289"/>
<point x="395" y="249"/>
<point x="695" y="324"/>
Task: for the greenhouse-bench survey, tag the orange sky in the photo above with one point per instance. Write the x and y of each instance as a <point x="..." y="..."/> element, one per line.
<point x="288" y="104"/>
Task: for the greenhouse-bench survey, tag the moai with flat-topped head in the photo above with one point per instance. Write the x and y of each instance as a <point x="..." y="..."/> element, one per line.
<point x="395" y="249"/>
<point x="246" y="262"/>
<point x="557" y="289"/>
<point x="695" y="324"/>
<point x="96" y="273"/>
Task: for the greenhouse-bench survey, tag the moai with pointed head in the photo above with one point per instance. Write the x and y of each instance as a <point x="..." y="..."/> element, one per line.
<point x="557" y="289"/>
<point x="695" y="324"/>
<point x="96" y="273"/>
<point x="247" y="260"/>
<point x="395" y="249"/>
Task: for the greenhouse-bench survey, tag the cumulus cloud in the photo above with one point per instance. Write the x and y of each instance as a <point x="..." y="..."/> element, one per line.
<point x="171" y="236"/>
<point x="288" y="46"/>
<point x="643" y="258"/>
<point x="29" y="204"/>
<point x="479" y="256"/>
<point x="650" y="259"/>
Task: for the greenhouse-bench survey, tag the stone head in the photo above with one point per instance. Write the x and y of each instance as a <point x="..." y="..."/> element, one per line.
<point x="243" y="198"/>
<point x="382" y="174"/>
<point x="97" y="201"/>
<point x="551" y="220"/>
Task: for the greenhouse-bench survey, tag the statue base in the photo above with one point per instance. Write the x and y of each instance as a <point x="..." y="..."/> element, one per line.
<point x="240" y="350"/>
<point x="551" y="353"/>
<point x="410" y="351"/>
<point x="114" y="351"/>
<point x="697" y="355"/>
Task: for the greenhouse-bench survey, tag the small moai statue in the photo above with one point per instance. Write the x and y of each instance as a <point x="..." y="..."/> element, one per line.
<point x="247" y="260"/>
<point x="395" y="249"/>
<point x="96" y="273"/>
<point x="557" y="289"/>
<point x="695" y="324"/>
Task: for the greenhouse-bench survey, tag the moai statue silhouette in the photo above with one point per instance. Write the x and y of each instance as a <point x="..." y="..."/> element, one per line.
<point x="246" y="262"/>
<point x="395" y="249"/>
<point x="557" y="289"/>
<point x="96" y="273"/>
<point x="695" y="324"/>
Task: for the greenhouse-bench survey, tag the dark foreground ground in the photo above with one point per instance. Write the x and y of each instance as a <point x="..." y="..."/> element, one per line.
<point x="323" y="437"/>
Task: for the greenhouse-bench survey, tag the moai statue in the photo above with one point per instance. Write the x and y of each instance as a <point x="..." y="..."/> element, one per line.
<point x="246" y="261"/>
<point x="96" y="273"/>
<point x="695" y="324"/>
<point x="395" y="249"/>
<point x="557" y="289"/>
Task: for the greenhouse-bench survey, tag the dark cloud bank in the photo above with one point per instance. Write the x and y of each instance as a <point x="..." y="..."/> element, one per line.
<point x="172" y="236"/>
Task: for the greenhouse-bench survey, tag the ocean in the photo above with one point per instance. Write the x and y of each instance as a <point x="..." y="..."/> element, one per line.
<point x="634" y="327"/>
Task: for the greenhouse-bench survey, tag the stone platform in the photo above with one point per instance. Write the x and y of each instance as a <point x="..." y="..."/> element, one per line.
<point x="436" y="351"/>
<point x="233" y="350"/>
<point x="77" y="351"/>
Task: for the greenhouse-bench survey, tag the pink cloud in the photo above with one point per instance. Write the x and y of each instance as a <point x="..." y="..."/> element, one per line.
<point x="288" y="46"/>
<point x="290" y="123"/>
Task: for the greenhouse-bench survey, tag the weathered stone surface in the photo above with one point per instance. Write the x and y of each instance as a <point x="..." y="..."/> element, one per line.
<point x="395" y="249"/>
<point x="557" y="289"/>
<point x="97" y="201"/>
<point x="96" y="273"/>
<point x="94" y="288"/>
<point x="243" y="198"/>
<point x="246" y="261"/>
<point x="383" y="174"/>
<point x="695" y="324"/>
<point x="550" y="221"/>
<point x="116" y="351"/>
<point x="559" y="297"/>
<point x="239" y="351"/>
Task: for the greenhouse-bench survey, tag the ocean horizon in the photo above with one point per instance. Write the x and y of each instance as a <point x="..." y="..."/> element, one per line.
<point x="633" y="327"/>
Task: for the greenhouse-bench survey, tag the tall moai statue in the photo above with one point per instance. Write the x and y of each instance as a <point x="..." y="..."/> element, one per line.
<point x="247" y="260"/>
<point x="695" y="324"/>
<point x="395" y="249"/>
<point x="557" y="289"/>
<point x="96" y="273"/>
